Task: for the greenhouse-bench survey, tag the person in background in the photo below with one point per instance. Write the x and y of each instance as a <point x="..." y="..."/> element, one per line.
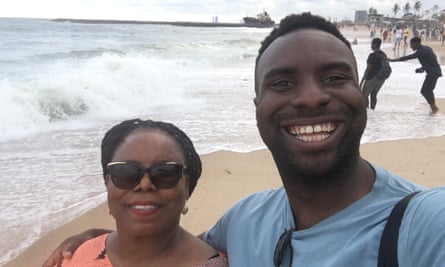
<point x="150" y="169"/>
<point x="443" y="34"/>
<point x="430" y="65"/>
<point x="405" y="35"/>
<point x="371" y="82"/>
<point x="398" y="34"/>
<point x="385" y="35"/>
<point x="334" y="204"/>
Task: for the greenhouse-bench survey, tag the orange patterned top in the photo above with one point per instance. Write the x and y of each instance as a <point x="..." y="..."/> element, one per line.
<point x="92" y="253"/>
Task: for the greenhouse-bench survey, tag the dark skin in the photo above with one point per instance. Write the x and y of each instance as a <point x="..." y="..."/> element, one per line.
<point x="311" y="115"/>
<point x="308" y="80"/>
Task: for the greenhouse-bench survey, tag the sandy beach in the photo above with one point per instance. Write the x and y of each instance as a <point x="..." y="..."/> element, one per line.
<point x="228" y="176"/>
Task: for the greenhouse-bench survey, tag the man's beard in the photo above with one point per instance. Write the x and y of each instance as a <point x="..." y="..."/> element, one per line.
<point x="324" y="170"/>
<point x="321" y="173"/>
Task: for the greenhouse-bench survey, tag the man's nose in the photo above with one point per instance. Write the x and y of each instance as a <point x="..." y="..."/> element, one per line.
<point x="310" y="94"/>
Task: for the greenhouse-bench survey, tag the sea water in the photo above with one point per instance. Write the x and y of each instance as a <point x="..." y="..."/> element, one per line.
<point x="63" y="85"/>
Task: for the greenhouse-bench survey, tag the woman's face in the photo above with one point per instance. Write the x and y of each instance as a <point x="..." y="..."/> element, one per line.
<point x="146" y="209"/>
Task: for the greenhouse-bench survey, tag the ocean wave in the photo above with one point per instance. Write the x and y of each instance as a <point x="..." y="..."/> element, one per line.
<point x="107" y="86"/>
<point x="62" y="109"/>
<point x="78" y="54"/>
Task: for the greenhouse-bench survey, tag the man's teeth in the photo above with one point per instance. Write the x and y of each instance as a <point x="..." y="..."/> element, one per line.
<point x="313" y="138"/>
<point x="312" y="133"/>
<point x="310" y="129"/>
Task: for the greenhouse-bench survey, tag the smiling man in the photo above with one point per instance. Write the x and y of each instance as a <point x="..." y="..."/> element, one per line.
<point x="334" y="205"/>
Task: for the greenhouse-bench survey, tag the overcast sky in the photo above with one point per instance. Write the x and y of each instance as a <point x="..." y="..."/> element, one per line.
<point x="195" y="10"/>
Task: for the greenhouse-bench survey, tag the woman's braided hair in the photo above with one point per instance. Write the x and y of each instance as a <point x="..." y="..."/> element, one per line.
<point x="117" y="134"/>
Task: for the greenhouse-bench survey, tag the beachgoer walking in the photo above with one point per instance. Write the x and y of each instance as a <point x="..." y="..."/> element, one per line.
<point x="372" y="81"/>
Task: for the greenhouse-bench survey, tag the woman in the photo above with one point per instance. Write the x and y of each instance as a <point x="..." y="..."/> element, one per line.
<point x="150" y="169"/>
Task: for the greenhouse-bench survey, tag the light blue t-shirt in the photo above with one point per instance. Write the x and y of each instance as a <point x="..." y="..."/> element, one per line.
<point x="249" y="231"/>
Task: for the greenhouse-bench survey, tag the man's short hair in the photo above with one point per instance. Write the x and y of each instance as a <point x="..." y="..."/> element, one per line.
<point x="301" y="21"/>
<point x="416" y="40"/>
<point x="377" y="42"/>
<point x="294" y="22"/>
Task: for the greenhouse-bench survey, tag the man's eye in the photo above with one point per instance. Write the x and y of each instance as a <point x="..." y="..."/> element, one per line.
<point x="335" y="78"/>
<point x="281" y="85"/>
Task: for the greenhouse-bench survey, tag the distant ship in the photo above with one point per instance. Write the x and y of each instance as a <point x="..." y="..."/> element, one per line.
<point x="261" y="20"/>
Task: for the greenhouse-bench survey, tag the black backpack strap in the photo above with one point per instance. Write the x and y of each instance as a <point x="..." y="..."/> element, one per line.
<point x="390" y="236"/>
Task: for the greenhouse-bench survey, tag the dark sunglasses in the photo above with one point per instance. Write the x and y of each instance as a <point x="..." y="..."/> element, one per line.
<point x="127" y="175"/>
<point x="284" y="245"/>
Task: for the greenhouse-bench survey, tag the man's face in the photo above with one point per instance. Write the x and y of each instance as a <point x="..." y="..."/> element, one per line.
<point x="309" y="108"/>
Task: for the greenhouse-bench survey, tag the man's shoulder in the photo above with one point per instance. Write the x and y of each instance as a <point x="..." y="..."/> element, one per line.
<point x="425" y="48"/>
<point x="430" y="200"/>
<point x="374" y="56"/>
<point x="264" y="197"/>
<point x="261" y="204"/>
<point x="427" y="208"/>
<point x="246" y="215"/>
<point x="393" y="183"/>
<point x="379" y="54"/>
<point x="422" y="232"/>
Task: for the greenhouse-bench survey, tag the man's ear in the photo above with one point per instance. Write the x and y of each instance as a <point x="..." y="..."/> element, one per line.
<point x="255" y="101"/>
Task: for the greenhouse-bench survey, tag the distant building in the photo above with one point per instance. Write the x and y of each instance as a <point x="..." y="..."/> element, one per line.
<point x="361" y="17"/>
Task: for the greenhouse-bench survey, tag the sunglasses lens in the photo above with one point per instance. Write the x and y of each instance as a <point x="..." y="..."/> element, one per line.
<point x="165" y="175"/>
<point x="125" y="176"/>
